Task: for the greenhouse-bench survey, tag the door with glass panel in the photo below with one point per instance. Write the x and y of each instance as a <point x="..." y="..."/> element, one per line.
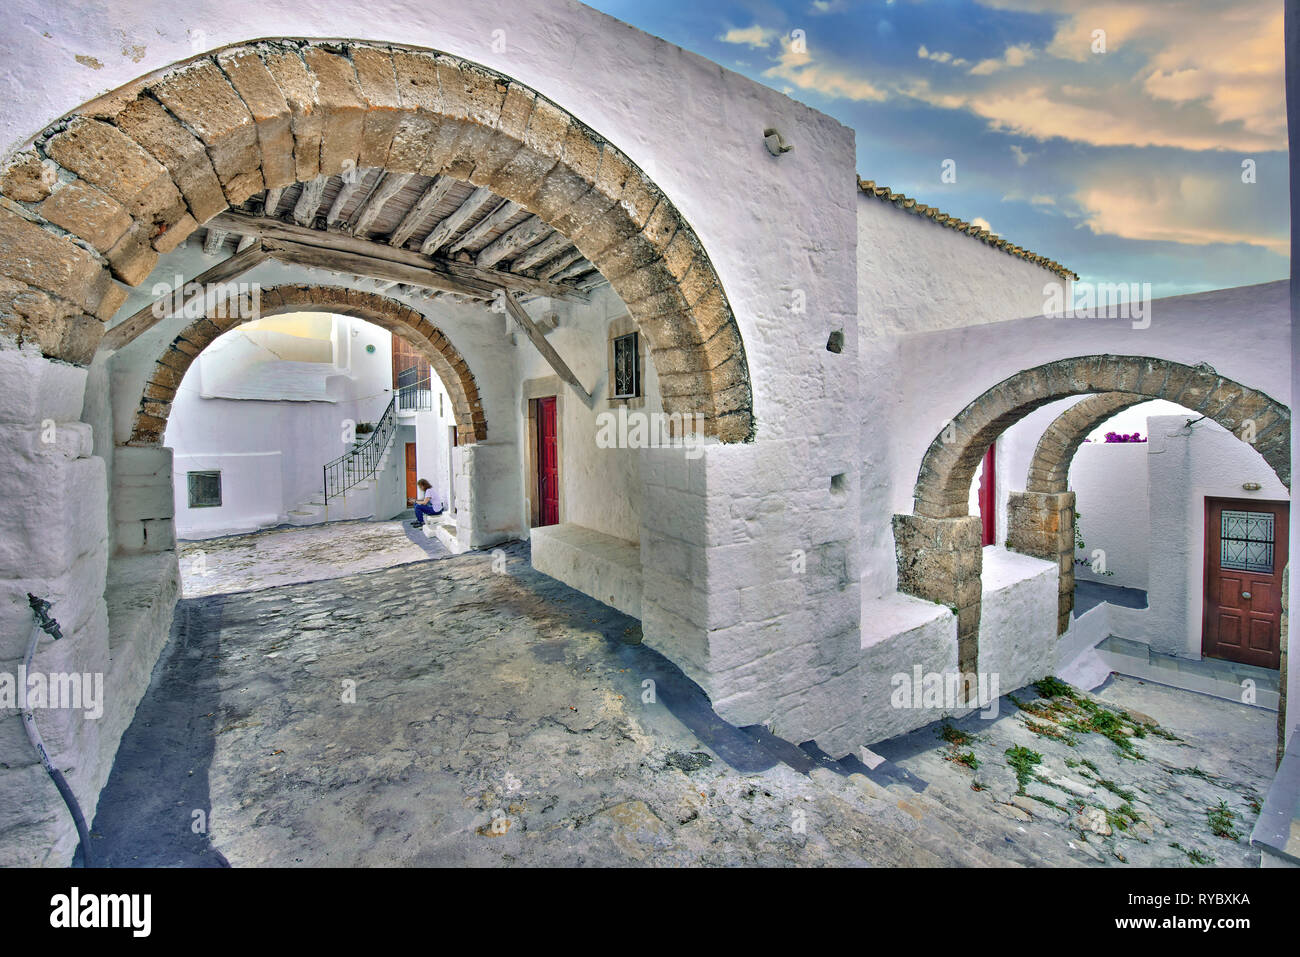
<point x="1245" y="552"/>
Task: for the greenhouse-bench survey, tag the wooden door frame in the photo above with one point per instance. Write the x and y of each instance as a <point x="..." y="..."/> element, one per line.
<point x="988" y="496"/>
<point x="1281" y="555"/>
<point x="546" y="387"/>
<point x="412" y="449"/>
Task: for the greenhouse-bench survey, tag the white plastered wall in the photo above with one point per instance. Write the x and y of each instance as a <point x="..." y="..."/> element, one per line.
<point x="917" y="277"/>
<point x="600" y="488"/>
<point x="270" y="451"/>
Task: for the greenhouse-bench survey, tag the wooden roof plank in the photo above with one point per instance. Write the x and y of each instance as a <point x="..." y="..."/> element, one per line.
<point x="443" y="231"/>
<point x="433" y="195"/>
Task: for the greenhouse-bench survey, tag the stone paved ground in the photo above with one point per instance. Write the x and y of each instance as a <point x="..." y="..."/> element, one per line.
<point x="500" y="718"/>
<point x="282" y="556"/>
<point x="1201" y="765"/>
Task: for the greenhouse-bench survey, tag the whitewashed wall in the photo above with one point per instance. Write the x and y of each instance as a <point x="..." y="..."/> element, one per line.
<point x="917" y="277"/>
<point x="271" y="450"/>
<point x="431" y="446"/>
<point x="600" y="488"/>
<point x="1111" y="500"/>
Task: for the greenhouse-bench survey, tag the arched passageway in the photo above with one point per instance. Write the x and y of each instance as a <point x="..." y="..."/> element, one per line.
<point x="939" y="546"/>
<point x="155" y="402"/>
<point x="155" y="160"/>
<point x="1049" y="470"/>
<point x="103" y="196"/>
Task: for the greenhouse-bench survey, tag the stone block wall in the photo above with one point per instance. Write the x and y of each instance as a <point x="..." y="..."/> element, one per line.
<point x="940" y="560"/>
<point x="1042" y="524"/>
<point x="144" y="502"/>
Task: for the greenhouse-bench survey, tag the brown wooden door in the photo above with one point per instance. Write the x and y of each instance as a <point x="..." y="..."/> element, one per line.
<point x="1245" y="552"/>
<point x="548" y="466"/>
<point x="412" y="492"/>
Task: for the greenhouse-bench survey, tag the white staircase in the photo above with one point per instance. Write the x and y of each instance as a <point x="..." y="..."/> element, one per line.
<point x="363" y="500"/>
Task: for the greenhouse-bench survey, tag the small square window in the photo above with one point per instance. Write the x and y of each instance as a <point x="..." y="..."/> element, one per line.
<point x="204" y="489"/>
<point x="626" y="374"/>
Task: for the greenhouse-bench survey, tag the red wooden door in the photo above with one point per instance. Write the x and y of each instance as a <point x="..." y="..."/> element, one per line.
<point x="1245" y="551"/>
<point x="411" y="477"/>
<point x="548" y="483"/>
<point x="988" y="498"/>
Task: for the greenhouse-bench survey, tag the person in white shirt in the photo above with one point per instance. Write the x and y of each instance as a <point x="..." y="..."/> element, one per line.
<point x="426" y="503"/>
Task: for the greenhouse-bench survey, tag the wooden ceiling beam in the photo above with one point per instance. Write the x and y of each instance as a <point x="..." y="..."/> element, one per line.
<point x="559" y="264"/>
<point x="548" y="248"/>
<point x="309" y="200"/>
<point x="479" y="279"/>
<point x="485" y="225"/>
<point x="430" y="276"/>
<point x="161" y="308"/>
<point x="214" y="240"/>
<point x="508" y="244"/>
<point x="271" y="202"/>
<point x="351" y="183"/>
<point x="538" y="339"/>
<point x="579" y="268"/>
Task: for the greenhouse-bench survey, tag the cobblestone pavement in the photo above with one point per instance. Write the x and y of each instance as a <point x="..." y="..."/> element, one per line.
<point x="283" y="556"/>
<point x="1138" y="773"/>
<point x="446" y="713"/>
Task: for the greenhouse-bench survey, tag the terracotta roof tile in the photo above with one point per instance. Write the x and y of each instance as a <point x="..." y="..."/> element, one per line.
<point x="885" y="194"/>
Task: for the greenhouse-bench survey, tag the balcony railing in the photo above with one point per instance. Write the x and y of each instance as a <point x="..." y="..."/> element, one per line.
<point x="356" y="466"/>
<point x="413" y="392"/>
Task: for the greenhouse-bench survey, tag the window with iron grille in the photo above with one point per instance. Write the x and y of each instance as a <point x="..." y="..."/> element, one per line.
<point x="626" y="373"/>
<point x="1246" y="541"/>
<point x="204" y="489"/>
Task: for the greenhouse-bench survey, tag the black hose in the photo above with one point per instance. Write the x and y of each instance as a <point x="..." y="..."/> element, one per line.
<point x="46" y="623"/>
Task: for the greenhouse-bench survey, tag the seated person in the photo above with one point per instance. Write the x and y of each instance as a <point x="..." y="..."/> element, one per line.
<point x="426" y="503"/>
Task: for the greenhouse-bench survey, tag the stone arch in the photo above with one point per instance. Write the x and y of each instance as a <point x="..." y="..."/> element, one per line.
<point x="150" y="421"/>
<point x="943" y="484"/>
<point x="1049" y="469"/>
<point x="140" y="168"/>
<point x="938" y="546"/>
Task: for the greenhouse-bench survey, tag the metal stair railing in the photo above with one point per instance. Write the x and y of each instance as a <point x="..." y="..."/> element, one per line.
<point x="354" y="467"/>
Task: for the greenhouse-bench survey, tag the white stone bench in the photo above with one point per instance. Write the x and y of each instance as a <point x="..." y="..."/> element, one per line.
<point x="602" y="566"/>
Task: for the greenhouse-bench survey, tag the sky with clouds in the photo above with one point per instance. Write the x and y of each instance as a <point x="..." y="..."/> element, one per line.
<point x="1118" y="153"/>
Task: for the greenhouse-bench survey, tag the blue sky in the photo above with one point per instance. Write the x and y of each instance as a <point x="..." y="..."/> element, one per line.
<point x="1125" y="164"/>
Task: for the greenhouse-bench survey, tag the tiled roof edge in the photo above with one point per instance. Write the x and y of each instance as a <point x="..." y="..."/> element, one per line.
<point x="886" y="195"/>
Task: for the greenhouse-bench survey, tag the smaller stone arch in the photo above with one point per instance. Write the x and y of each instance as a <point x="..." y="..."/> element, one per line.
<point x="169" y="369"/>
<point x="1040" y="520"/>
<point x="1049" y="470"/>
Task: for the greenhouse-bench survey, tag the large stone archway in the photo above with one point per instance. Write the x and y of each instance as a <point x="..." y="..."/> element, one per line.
<point x="938" y="546"/>
<point x="169" y="369"/>
<point x="140" y="168"/>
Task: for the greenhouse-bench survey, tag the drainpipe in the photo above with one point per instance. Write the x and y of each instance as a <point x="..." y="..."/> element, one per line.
<point x="45" y="623"/>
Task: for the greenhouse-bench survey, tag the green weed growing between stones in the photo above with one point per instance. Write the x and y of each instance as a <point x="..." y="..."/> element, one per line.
<point x="1022" y="760"/>
<point x="1221" y="819"/>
